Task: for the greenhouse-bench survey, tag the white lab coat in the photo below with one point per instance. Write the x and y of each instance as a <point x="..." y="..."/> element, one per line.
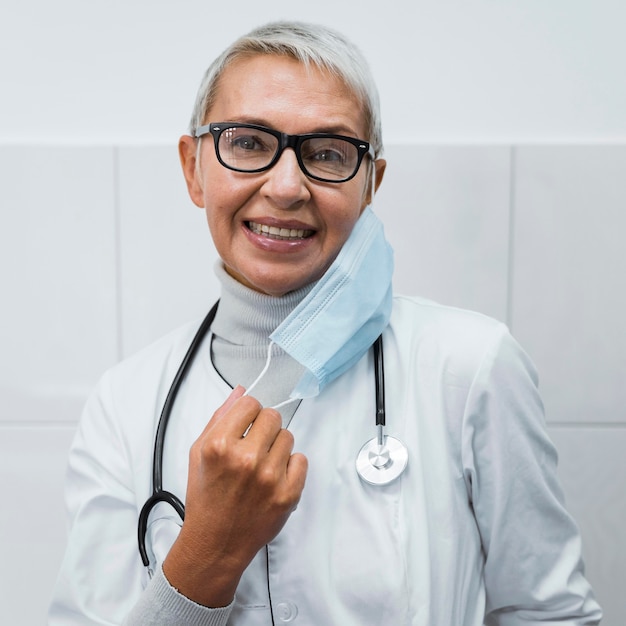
<point x="474" y="526"/>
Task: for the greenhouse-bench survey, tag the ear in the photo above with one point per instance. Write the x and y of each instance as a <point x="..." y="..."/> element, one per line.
<point x="189" y="153"/>
<point x="379" y="167"/>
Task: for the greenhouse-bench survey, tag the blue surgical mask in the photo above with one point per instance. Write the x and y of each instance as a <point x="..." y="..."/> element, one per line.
<point x="341" y="317"/>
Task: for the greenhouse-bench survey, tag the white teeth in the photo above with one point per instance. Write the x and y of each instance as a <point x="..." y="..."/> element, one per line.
<point x="274" y="232"/>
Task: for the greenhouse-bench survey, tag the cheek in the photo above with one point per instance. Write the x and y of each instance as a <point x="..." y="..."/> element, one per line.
<point x="219" y="218"/>
<point x="224" y="197"/>
<point x="343" y="213"/>
<point x="221" y="227"/>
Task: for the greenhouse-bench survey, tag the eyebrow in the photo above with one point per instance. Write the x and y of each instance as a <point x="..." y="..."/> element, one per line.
<point x="333" y="129"/>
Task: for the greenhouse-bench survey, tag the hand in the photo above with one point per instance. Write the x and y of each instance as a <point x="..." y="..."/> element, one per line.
<point x="240" y="492"/>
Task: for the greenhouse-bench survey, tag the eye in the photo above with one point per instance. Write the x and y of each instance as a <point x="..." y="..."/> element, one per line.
<point x="329" y="151"/>
<point x="332" y="157"/>
<point x="247" y="143"/>
<point x="326" y="155"/>
<point x="244" y="142"/>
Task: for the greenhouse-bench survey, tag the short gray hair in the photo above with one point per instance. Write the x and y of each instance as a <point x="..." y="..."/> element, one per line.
<point x="310" y="44"/>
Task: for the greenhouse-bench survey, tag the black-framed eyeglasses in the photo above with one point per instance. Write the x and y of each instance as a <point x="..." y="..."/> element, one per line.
<point x="321" y="156"/>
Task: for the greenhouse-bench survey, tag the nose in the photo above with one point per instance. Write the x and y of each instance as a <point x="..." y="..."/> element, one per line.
<point x="287" y="186"/>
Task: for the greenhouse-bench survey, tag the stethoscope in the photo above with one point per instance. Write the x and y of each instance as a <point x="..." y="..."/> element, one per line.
<point x="380" y="461"/>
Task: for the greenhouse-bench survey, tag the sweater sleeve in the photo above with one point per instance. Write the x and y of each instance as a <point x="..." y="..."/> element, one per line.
<point x="533" y="566"/>
<point x="162" y="605"/>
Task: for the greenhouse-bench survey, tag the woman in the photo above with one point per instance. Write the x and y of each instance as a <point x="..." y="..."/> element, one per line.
<point x="284" y="156"/>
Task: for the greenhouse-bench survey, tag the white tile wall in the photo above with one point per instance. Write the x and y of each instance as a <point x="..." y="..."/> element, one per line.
<point x="58" y="332"/>
<point x="101" y="251"/>
<point x="167" y="255"/>
<point x="569" y="279"/>
<point x="57" y="271"/>
<point x="32" y="519"/>
<point x="446" y="213"/>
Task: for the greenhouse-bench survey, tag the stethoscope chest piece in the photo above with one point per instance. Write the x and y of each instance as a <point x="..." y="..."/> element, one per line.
<point x="379" y="464"/>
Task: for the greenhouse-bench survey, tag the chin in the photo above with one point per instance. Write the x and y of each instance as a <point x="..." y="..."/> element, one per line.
<point x="270" y="281"/>
<point x="277" y="289"/>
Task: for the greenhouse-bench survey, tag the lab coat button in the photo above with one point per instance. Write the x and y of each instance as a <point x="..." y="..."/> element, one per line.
<point x="286" y="611"/>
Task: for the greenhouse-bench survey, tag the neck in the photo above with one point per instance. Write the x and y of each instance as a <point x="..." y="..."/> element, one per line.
<point x="241" y="329"/>
<point x="246" y="317"/>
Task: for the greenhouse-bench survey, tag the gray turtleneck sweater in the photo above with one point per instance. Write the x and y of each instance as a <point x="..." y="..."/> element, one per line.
<point x="244" y="321"/>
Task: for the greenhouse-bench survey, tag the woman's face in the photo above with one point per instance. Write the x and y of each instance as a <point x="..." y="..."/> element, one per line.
<point x="280" y="93"/>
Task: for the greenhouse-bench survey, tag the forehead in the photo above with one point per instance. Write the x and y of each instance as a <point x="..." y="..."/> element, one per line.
<point x="275" y="89"/>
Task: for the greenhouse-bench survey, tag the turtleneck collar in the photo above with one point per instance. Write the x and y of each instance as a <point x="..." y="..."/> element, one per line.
<point x="248" y="317"/>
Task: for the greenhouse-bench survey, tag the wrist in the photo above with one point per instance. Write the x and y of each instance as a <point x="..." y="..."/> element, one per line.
<point x="206" y="581"/>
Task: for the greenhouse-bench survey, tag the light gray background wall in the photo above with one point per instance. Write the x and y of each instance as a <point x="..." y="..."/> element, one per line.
<point x="505" y="192"/>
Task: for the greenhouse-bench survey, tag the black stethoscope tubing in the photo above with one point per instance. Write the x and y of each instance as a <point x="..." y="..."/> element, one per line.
<point x="158" y="493"/>
<point x="161" y="495"/>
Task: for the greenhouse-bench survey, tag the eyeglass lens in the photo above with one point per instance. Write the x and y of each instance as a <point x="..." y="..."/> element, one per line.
<point x="250" y="149"/>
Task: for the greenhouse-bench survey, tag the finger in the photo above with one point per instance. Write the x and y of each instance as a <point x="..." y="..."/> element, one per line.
<point x="235" y="415"/>
<point x="294" y="466"/>
<point x="265" y="428"/>
<point x="297" y="468"/>
<point x="281" y="445"/>
<point x="235" y="394"/>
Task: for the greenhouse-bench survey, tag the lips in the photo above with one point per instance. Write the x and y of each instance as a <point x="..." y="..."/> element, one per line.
<point x="275" y="232"/>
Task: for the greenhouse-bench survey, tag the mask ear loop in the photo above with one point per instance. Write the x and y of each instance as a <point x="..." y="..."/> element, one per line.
<point x="263" y="371"/>
<point x="286" y="402"/>
<point x="260" y="376"/>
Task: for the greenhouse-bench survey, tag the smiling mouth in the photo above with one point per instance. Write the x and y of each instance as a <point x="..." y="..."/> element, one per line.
<point x="273" y="232"/>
